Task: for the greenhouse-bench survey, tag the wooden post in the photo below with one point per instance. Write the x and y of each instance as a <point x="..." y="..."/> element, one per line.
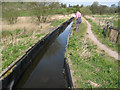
<point x="24" y="29"/>
<point x="108" y="24"/>
<point x="109" y="33"/>
<point x="99" y="22"/>
<point x="107" y="29"/>
<point x="112" y="22"/>
<point x="117" y="37"/>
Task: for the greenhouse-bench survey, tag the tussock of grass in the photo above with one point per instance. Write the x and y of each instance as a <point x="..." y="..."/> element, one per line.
<point x="91" y="64"/>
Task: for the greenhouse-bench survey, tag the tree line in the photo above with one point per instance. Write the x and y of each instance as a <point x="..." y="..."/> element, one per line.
<point x="11" y="10"/>
<point x="97" y="8"/>
<point x="103" y="9"/>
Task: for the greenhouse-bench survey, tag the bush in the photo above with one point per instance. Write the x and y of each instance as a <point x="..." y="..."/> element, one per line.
<point x="85" y="11"/>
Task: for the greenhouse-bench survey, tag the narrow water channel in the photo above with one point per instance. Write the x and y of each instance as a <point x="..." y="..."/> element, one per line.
<point x="47" y="70"/>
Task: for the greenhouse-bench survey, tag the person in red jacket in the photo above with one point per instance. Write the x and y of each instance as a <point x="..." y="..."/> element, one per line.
<point x="78" y="20"/>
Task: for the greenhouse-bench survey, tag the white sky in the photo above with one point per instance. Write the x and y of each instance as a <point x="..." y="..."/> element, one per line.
<point x="89" y="0"/>
<point x="72" y="2"/>
<point x="61" y="0"/>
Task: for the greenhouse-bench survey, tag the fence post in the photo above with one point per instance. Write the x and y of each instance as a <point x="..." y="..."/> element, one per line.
<point x="112" y="22"/>
<point x="24" y="30"/>
<point x="118" y="37"/>
<point x="108" y="24"/>
<point x="99" y="22"/>
<point x="109" y="32"/>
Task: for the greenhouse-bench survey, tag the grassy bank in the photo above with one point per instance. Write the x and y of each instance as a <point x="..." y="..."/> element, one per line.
<point x="93" y="68"/>
<point x="98" y="33"/>
<point x="57" y="22"/>
<point x="17" y="42"/>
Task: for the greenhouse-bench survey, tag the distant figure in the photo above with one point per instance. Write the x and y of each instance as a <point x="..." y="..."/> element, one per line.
<point x="78" y="20"/>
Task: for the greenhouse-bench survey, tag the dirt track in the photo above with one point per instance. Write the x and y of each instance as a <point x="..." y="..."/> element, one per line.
<point x="100" y="45"/>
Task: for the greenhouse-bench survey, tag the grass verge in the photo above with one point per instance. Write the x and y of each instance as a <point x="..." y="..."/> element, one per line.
<point x="93" y="68"/>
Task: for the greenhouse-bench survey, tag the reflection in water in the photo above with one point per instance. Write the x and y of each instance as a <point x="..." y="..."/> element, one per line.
<point x="46" y="71"/>
<point x="56" y="46"/>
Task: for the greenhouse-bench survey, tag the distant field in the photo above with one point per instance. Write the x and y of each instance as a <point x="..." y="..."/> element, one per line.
<point x="103" y="19"/>
<point x="57" y="22"/>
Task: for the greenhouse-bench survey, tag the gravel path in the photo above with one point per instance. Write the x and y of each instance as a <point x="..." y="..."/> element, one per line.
<point x="100" y="45"/>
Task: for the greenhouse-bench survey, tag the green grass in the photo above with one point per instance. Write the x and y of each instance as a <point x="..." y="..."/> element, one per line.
<point x="25" y="13"/>
<point x="39" y="35"/>
<point x="12" y="52"/>
<point x="57" y="22"/>
<point x="98" y="32"/>
<point x="105" y="17"/>
<point x="96" y="66"/>
<point x="115" y="23"/>
<point x="7" y="33"/>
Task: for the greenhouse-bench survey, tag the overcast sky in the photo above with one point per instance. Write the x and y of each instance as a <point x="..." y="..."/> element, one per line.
<point x="72" y="2"/>
<point x="89" y="2"/>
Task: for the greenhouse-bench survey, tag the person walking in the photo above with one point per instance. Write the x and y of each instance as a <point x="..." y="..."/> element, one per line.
<point x="78" y="20"/>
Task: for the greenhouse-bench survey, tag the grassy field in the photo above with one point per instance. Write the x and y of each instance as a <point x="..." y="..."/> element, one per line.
<point x="103" y="19"/>
<point x="57" y="22"/>
<point x="98" y="32"/>
<point x="115" y="23"/>
<point x="93" y="68"/>
<point x="16" y="42"/>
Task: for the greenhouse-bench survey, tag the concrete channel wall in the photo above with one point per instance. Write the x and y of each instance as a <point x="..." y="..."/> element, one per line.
<point x="28" y="58"/>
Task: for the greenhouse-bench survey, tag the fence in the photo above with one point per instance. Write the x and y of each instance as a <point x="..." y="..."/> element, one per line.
<point x="110" y="25"/>
<point x="111" y="33"/>
<point x="19" y="68"/>
<point x="101" y="20"/>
